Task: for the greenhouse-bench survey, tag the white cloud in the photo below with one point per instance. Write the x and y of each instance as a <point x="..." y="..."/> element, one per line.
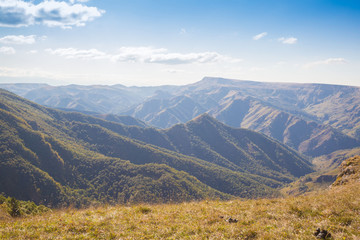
<point x="18" y="13"/>
<point x="136" y="54"/>
<point x="326" y="62"/>
<point x="259" y="36"/>
<point x="163" y="56"/>
<point x="18" y="39"/>
<point x="7" y="50"/>
<point x="73" y="53"/>
<point x="144" y="55"/>
<point x="73" y="1"/>
<point x="290" y="40"/>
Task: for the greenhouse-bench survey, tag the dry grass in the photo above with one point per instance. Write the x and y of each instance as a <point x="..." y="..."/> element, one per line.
<point x="337" y="210"/>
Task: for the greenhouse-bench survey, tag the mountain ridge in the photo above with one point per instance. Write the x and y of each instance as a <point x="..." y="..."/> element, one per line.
<point x="68" y="157"/>
<point x="314" y="119"/>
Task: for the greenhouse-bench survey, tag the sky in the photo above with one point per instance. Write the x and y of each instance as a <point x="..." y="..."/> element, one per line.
<point x="177" y="42"/>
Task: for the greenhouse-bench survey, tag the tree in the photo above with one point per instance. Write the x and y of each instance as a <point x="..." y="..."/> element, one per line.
<point x="14" y="207"/>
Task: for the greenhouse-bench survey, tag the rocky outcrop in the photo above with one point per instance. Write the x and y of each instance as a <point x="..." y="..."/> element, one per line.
<point x="350" y="171"/>
<point x="322" y="234"/>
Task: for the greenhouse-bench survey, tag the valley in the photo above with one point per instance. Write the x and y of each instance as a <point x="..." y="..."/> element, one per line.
<point x="314" y="119"/>
<point x="224" y="143"/>
<point x="66" y="157"/>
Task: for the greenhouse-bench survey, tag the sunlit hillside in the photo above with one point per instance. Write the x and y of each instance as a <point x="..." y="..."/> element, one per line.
<point x="336" y="210"/>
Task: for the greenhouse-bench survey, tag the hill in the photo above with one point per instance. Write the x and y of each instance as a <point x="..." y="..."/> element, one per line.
<point x="333" y="160"/>
<point x="314" y="119"/>
<point x="347" y="170"/>
<point x="41" y="162"/>
<point x="241" y="149"/>
<point x="236" y="149"/>
<point x="54" y="157"/>
<point x="334" y="210"/>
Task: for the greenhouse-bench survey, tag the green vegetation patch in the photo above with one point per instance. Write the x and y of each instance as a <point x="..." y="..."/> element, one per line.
<point x="16" y="208"/>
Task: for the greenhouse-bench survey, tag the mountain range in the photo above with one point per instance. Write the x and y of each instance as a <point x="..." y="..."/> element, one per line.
<point x="314" y="119"/>
<point x="58" y="158"/>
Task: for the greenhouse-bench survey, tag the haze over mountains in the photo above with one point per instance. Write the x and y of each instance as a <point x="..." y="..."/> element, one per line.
<point x="314" y="119"/>
<point x="55" y="157"/>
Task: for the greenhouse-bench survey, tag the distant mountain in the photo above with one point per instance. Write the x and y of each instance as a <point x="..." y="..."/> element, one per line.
<point x="334" y="105"/>
<point x="306" y="136"/>
<point x="167" y="112"/>
<point x="315" y="119"/>
<point x="95" y="98"/>
<point x="22" y="88"/>
<point x="55" y="157"/>
<point x="285" y="112"/>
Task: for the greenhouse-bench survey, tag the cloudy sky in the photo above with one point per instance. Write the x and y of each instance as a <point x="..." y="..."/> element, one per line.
<point x="157" y="42"/>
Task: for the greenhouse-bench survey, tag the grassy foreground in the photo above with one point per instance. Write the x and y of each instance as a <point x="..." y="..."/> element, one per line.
<point x="336" y="210"/>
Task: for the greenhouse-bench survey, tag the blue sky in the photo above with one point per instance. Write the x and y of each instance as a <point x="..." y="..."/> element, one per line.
<point x="157" y="42"/>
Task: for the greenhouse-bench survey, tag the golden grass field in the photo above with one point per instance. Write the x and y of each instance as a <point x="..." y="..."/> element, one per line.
<point x="336" y="210"/>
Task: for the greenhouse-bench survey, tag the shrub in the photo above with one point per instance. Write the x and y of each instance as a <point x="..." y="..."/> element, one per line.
<point x="14" y="207"/>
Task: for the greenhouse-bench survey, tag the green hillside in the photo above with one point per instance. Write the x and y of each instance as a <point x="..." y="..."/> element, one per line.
<point x="49" y="166"/>
<point x="54" y="158"/>
<point x="246" y="149"/>
<point x="206" y="138"/>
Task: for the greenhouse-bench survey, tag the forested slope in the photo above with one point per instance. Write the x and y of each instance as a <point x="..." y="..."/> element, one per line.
<point x="55" y="158"/>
